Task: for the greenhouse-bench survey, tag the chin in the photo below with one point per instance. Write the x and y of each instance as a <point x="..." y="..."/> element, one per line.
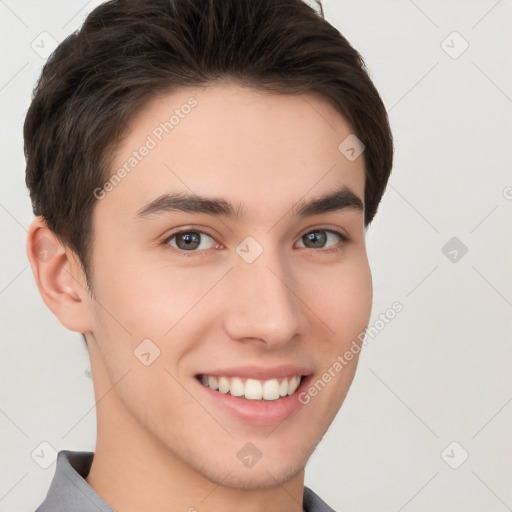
<point x="262" y="477"/>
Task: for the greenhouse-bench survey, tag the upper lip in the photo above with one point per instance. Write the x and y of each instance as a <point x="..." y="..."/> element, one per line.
<point x="259" y="372"/>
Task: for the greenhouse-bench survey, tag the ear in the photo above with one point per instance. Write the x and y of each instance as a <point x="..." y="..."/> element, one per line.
<point x="59" y="277"/>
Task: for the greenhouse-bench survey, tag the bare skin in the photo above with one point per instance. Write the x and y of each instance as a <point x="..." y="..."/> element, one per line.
<point x="161" y="444"/>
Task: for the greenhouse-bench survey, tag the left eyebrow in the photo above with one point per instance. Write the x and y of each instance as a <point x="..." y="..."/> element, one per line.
<point x="341" y="199"/>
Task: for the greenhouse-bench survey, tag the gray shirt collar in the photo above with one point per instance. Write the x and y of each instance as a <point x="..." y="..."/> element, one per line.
<point x="69" y="490"/>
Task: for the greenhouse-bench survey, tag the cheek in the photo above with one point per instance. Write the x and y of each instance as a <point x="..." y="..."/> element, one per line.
<point x="344" y="301"/>
<point x="344" y="305"/>
<point x="146" y="301"/>
<point x="357" y="299"/>
<point x="151" y="309"/>
<point x="134" y="311"/>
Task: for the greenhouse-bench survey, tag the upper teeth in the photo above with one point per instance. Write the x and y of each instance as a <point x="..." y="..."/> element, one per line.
<point x="253" y="389"/>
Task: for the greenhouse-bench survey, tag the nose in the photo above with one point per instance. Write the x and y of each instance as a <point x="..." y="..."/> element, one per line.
<point x="262" y="301"/>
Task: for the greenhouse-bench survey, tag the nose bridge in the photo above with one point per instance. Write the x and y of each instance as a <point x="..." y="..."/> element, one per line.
<point x="263" y="304"/>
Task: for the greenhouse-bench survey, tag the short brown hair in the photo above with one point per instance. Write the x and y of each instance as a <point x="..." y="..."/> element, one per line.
<point x="127" y="51"/>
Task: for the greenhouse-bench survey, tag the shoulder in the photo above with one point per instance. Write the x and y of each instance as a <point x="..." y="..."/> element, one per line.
<point x="313" y="503"/>
<point x="68" y="489"/>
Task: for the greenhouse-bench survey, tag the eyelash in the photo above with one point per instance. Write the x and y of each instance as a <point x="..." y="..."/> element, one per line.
<point x="344" y="239"/>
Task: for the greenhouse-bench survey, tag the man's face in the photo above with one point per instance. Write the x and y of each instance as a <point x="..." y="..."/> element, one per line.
<point x="271" y="291"/>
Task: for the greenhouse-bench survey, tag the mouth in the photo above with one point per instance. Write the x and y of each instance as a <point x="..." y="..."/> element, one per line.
<point x="252" y="389"/>
<point x="257" y="395"/>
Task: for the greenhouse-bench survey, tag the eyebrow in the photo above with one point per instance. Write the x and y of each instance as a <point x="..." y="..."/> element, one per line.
<point x="341" y="199"/>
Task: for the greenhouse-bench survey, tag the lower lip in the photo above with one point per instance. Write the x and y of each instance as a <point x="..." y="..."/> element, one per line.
<point x="258" y="412"/>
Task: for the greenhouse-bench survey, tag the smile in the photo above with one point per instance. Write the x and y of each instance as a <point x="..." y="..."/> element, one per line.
<point x="252" y="389"/>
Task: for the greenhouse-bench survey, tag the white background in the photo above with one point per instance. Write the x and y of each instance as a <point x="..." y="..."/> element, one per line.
<point x="439" y="372"/>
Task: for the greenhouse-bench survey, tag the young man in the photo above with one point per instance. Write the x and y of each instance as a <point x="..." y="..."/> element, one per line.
<point x="202" y="174"/>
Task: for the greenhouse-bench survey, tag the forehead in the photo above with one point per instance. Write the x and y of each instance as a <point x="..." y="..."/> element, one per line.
<point x="259" y="149"/>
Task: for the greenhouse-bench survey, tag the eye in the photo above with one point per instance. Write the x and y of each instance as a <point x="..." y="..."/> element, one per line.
<point x="319" y="237"/>
<point x="196" y="243"/>
<point x="190" y="241"/>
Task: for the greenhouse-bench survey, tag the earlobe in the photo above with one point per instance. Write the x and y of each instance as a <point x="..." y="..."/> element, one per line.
<point x="59" y="277"/>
